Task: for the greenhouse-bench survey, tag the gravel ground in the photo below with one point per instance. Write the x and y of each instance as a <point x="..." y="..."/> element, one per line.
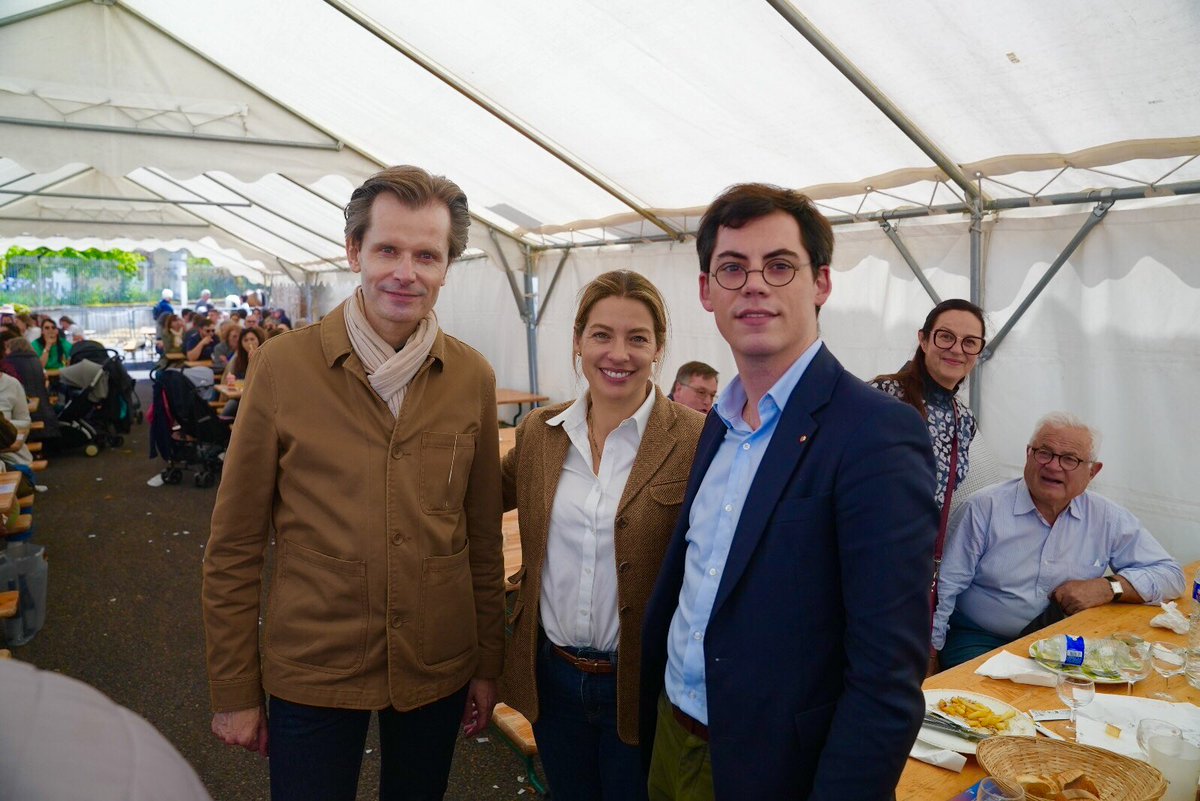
<point x="124" y="616"/>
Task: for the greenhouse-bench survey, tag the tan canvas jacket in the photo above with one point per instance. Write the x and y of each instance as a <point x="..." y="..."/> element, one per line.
<point x="387" y="580"/>
<point x="646" y="517"/>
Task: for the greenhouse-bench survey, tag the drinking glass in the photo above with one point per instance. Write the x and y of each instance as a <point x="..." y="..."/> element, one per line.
<point x="1134" y="663"/>
<point x="1152" y="727"/>
<point x="1075" y="691"/>
<point x="1168" y="661"/>
<point x="992" y="789"/>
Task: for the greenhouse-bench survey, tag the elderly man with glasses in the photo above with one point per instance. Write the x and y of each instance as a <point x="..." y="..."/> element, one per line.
<point x="1036" y="549"/>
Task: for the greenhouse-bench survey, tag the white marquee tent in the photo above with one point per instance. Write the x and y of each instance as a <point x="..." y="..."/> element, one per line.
<point x="1038" y="157"/>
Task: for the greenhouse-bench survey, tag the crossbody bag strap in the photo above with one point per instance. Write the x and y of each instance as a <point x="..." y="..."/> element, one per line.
<point x="951" y="481"/>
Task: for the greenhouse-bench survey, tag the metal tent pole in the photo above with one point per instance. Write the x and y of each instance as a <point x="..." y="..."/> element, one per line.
<point x="975" y="395"/>
<point x="1094" y="219"/>
<point x="894" y="235"/>
<point x="531" y="315"/>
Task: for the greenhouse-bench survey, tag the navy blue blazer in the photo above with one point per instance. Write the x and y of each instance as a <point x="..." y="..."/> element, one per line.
<point x="819" y="634"/>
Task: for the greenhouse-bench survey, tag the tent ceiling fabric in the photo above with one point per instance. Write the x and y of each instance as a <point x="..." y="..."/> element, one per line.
<point x="653" y="107"/>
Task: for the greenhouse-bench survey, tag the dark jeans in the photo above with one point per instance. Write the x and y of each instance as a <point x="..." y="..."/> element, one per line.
<point x="316" y="752"/>
<point x="576" y="733"/>
<point x="965" y="640"/>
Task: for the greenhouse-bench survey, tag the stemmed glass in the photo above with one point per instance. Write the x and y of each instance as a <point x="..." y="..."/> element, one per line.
<point x="1168" y="661"/>
<point x="1134" y="664"/>
<point x="1075" y="691"/>
<point x="991" y="789"/>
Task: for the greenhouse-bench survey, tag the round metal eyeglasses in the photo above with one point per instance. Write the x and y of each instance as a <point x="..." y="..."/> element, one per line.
<point x="735" y="276"/>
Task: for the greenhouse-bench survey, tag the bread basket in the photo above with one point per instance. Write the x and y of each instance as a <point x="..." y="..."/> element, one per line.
<point x="1118" y="778"/>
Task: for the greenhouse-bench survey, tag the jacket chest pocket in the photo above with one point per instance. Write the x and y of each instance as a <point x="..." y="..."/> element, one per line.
<point x="446" y="461"/>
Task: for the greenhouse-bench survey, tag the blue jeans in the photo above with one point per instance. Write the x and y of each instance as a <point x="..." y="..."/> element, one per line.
<point x="29" y="474"/>
<point x="576" y="732"/>
<point x="316" y="752"/>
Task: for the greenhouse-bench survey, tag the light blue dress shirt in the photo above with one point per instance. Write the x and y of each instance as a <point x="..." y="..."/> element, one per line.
<point x="1003" y="561"/>
<point x="711" y="524"/>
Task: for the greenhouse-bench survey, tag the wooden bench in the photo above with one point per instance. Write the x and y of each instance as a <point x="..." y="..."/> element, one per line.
<point x="26" y="502"/>
<point x="23" y="524"/>
<point x="34" y="447"/>
<point x="517" y="731"/>
<point x="39" y="465"/>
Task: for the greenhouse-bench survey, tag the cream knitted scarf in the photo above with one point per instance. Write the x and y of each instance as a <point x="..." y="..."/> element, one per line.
<point x="389" y="370"/>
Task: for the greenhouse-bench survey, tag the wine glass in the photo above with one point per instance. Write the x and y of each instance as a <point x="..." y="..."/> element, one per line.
<point x="992" y="789"/>
<point x="1168" y="661"/>
<point x="1075" y="691"/>
<point x="1151" y="727"/>
<point x="1134" y="664"/>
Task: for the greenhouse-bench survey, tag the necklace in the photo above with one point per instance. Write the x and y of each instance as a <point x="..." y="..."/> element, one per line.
<point x="596" y="452"/>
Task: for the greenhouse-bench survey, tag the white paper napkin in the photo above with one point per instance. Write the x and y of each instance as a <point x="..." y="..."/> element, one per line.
<point x="1124" y="712"/>
<point x="939" y="757"/>
<point x="1019" y="669"/>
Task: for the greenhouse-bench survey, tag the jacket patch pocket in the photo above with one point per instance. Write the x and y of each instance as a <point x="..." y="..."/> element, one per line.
<point x="448" y="625"/>
<point x="818" y="507"/>
<point x="318" y="611"/>
<point x="669" y="493"/>
<point x="445" y="467"/>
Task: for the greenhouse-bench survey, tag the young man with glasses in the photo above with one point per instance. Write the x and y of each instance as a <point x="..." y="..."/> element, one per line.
<point x="695" y="386"/>
<point x="1038" y="547"/>
<point x="793" y="600"/>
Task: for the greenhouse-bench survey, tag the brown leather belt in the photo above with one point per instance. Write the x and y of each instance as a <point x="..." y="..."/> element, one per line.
<point x="689" y="723"/>
<point x="583" y="664"/>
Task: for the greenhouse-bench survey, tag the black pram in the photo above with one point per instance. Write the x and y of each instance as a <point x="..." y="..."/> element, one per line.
<point x="184" y="429"/>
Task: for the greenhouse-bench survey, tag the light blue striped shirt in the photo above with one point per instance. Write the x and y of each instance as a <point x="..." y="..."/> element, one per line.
<point x="711" y="524"/>
<point x="1003" y="560"/>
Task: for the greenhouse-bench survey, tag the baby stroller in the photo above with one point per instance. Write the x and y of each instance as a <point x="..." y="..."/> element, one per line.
<point x="121" y="407"/>
<point x="185" y="430"/>
<point x="85" y="388"/>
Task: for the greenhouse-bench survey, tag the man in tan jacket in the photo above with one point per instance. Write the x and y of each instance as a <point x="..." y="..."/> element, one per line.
<point x="367" y="443"/>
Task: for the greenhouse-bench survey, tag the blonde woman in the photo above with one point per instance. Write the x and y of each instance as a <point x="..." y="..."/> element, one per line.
<point x="598" y="483"/>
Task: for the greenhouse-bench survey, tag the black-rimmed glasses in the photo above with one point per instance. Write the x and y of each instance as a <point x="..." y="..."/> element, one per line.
<point x="945" y="340"/>
<point x="734" y="276"/>
<point x="1065" y="460"/>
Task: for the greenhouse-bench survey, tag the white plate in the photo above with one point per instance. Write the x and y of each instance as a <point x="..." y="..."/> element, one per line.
<point x="1018" y="724"/>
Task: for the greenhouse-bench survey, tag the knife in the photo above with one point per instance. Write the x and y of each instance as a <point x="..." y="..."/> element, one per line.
<point x="952" y="727"/>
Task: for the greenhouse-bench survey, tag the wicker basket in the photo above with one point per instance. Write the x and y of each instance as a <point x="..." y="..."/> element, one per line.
<point x="1118" y="777"/>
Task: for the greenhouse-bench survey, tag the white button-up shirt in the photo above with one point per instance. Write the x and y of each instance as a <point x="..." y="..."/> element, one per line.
<point x="579" y="574"/>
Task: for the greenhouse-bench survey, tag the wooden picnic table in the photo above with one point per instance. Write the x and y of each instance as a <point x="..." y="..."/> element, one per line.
<point x="518" y="398"/>
<point x="197" y="363"/>
<point x="231" y="392"/>
<point x="923" y="782"/>
<point x="505" y="397"/>
<point x="512" y="548"/>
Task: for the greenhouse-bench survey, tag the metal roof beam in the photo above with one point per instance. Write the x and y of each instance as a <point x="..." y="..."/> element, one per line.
<point x="873" y="93"/>
<point x="268" y="231"/>
<point x="284" y="217"/>
<point x="368" y="156"/>
<point x="73" y="196"/>
<point x="37" y="12"/>
<point x="62" y="180"/>
<point x="437" y="71"/>
<point x="101" y="222"/>
<point x="201" y="137"/>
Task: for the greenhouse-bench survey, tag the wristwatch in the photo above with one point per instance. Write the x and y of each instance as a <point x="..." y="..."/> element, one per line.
<point x="1117" y="589"/>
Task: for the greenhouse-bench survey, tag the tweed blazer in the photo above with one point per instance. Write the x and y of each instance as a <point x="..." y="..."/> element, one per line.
<point x="645" y="518"/>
